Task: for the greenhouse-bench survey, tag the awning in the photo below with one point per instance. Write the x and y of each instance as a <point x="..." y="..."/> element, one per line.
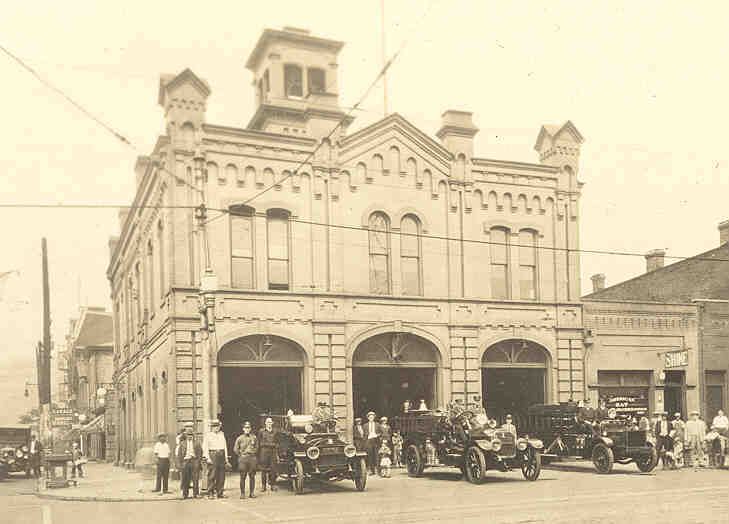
<point x="95" y="426"/>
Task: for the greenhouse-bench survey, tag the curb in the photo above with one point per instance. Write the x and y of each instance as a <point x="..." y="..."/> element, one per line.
<point x="73" y="498"/>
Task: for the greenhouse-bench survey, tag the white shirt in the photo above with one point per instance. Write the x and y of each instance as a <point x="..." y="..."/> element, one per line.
<point x="162" y="450"/>
<point x="34" y="445"/>
<point x="214" y="441"/>
<point x="372" y="430"/>
<point x="720" y="422"/>
<point x="190" y="449"/>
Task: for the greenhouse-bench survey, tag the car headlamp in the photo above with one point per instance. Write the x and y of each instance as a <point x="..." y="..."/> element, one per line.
<point x="19" y="453"/>
<point x="522" y="444"/>
<point x="482" y="419"/>
<point x="350" y="451"/>
<point x="313" y="453"/>
<point x="24" y="448"/>
<point x="492" y="423"/>
<point x="496" y="444"/>
<point x="309" y="428"/>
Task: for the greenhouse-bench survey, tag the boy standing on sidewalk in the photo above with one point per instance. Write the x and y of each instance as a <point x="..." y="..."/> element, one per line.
<point x="162" y="454"/>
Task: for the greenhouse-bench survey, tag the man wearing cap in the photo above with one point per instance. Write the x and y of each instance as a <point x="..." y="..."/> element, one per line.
<point x="267" y="440"/>
<point x="246" y="447"/>
<point x="663" y="439"/>
<point x="189" y="458"/>
<point x="509" y="425"/>
<point x="162" y="454"/>
<point x="215" y="451"/>
<point x="372" y="441"/>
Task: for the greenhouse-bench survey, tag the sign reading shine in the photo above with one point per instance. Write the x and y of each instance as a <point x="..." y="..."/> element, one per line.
<point x="676" y="359"/>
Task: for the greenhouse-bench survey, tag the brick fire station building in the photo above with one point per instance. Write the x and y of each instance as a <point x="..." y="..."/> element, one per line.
<point x="390" y="266"/>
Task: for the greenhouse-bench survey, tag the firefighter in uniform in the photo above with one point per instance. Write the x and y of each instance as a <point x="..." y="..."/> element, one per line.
<point x="267" y="454"/>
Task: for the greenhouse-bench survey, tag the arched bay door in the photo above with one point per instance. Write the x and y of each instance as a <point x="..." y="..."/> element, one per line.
<point x="258" y="374"/>
<point x="514" y="377"/>
<point x="390" y="368"/>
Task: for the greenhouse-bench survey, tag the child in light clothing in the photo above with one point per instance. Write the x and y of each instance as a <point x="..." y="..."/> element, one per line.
<point x="397" y="449"/>
<point x="385" y="461"/>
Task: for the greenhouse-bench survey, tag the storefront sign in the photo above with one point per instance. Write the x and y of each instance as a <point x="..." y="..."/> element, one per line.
<point x="627" y="404"/>
<point x="676" y="359"/>
<point x="62" y="417"/>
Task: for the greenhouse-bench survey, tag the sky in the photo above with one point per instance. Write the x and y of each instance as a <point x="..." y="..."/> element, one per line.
<point x="644" y="82"/>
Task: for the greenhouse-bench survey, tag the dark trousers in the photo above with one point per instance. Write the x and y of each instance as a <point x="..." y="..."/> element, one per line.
<point x="247" y="466"/>
<point x="266" y="464"/>
<point x="163" y="474"/>
<point x="77" y="469"/>
<point x="663" y="444"/>
<point x="35" y="466"/>
<point x="373" y="446"/>
<point x="190" y="473"/>
<point x="216" y="473"/>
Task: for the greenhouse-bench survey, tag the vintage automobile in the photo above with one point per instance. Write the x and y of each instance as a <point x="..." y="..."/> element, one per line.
<point x="571" y="433"/>
<point x="14" y="450"/>
<point x="309" y="449"/>
<point x="466" y="440"/>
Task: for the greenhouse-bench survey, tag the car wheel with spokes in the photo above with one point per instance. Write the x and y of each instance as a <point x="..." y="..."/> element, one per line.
<point x="414" y="461"/>
<point x="532" y="465"/>
<point x="648" y="462"/>
<point x="603" y="458"/>
<point x="475" y="465"/>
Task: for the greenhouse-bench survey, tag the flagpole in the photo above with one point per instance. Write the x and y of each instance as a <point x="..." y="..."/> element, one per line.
<point x="384" y="57"/>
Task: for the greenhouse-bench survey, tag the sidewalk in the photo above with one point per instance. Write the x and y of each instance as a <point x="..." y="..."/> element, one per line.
<point x="108" y="483"/>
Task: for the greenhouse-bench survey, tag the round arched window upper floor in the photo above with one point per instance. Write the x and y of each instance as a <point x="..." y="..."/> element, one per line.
<point x="499" y="252"/>
<point x="278" y="235"/>
<point x="242" y="246"/>
<point x="528" y="288"/>
<point x="411" y="255"/>
<point x="379" y="253"/>
<point x="293" y="81"/>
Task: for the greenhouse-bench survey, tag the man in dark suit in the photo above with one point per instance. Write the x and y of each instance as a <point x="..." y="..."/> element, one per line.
<point x="372" y="434"/>
<point x="663" y="438"/>
<point x="358" y="434"/>
<point x="189" y="457"/>
<point x="36" y="453"/>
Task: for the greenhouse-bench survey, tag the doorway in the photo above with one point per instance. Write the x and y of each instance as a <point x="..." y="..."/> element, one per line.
<point x="385" y="389"/>
<point x="512" y="391"/>
<point x="673" y="393"/>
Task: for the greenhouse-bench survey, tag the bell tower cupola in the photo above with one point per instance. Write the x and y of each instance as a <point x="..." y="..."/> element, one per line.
<point x="295" y="83"/>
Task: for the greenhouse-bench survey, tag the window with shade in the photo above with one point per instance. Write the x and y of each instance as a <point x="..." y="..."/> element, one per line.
<point x="499" y="246"/>
<point x="278" y="236"/>
<point x="379" y="246"/>
<point x="241" y="247"/>
<point x="317" y="80"/>
<point x="149" y="274"/>
<point x="410" y="256"/>
<point x="161" y="257"/>
<point x="293" y="80"/>
<point x="527" y="264"/>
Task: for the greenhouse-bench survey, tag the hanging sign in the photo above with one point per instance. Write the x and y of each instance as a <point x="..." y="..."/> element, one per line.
<point x="676" y="359"/>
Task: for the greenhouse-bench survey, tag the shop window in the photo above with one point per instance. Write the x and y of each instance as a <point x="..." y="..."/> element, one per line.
<point x="499" y="239"/>
<point x="379" y="247"/>
<point x="317" y="80"/>
<point x="527" y="265"/>
<point x="278" y="236"/>
<point x="410" y="256"/>
<point x="293" y="81"/>
<point x="241" y="247"/>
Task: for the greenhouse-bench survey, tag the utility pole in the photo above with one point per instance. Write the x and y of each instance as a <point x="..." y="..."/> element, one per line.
<point x="44" y="354"/>
<point x="384" y="57"/>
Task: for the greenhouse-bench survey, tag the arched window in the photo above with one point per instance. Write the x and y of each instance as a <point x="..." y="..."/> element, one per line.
<point x="149" y="273"/>
<point x="292" y="80"/>
<point x="161" y="257"/>
<point x="138" y="293"/>
<point x="278" y="234"/>
<point x="527" y="264"/>
<point x="410" y="256"/>
<point x="499" y="240"/>
<point x="394" y="160"/>
<point x="378" y="165"/>
<point x="379" y="241"/>
<point x="241" y="247"/>
<point x="188" y="135"/>
<point x="317" y="80"/>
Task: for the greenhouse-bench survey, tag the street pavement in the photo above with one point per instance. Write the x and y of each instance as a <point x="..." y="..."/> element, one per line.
<point x="564" y="494"/>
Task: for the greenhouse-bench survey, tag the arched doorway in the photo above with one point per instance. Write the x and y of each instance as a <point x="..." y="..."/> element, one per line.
<point x="514" y="377"/>
<point x="258" y="374"/>
<point x="390" y="368"/>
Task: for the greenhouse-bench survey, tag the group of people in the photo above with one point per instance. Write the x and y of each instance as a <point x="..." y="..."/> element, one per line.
<point x="382" y="444"/>
<point x="690" y="442"/>
<point x="255" y="453"/>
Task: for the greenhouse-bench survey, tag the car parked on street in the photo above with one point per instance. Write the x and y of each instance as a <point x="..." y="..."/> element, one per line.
<point x="309" y="449"/>
<point x="14" y="450"/>
<point x="572" y="434"/>
<point x="465" y="440"/>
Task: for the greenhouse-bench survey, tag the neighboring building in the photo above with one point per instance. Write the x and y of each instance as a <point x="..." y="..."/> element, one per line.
<point x="337" y="284"/>
<point x="88" y="362"/>
<point x="664" y="335"/>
